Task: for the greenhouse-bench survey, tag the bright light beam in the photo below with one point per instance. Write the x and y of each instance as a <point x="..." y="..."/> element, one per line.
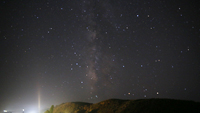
<point x="38" y="99"/>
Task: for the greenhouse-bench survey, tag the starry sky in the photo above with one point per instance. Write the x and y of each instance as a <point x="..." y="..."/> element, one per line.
<point x="57" y="51"/>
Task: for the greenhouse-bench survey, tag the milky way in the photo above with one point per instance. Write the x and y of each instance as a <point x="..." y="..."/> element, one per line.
<point x="98" y="61"/>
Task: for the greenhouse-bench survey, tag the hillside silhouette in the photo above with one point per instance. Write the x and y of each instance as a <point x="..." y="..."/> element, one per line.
<point x="131" y="106"/>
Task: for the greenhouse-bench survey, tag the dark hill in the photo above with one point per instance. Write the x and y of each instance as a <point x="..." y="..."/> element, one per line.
<point x="131" y="106"/>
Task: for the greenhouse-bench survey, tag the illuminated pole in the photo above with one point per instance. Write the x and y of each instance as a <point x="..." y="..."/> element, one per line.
<point x="23" y="110"/>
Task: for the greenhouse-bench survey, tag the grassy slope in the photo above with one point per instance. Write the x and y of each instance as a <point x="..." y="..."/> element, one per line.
<point x="130" y="106"/>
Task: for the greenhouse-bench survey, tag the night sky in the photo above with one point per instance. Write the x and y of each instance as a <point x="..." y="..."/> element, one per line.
<point x="57" y="51"/>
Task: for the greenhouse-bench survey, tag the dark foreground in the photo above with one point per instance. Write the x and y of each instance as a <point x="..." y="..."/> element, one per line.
<point x="131" y="106"/>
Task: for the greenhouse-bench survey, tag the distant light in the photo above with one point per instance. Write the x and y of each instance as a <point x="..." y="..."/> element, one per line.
<point x="5" y="111"/>
<point x="22" y="109"/>
<point x="32" y="112"/>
